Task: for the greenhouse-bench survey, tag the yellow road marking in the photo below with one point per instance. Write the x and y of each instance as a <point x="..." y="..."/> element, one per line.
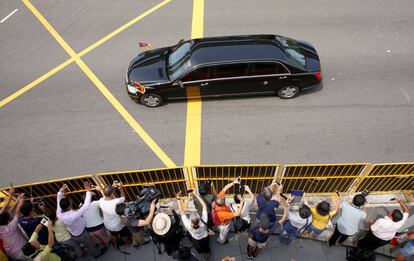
<point x="82" y="53"/>
<point x="192" y="149"/>
<point x="108" y="95"/>
<point x="35" y="82"/>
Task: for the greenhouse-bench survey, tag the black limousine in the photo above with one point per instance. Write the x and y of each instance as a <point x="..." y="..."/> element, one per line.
<point x="224" y="66"/>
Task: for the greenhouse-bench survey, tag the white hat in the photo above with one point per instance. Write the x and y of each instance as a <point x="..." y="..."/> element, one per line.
<point x="161" y="224"/>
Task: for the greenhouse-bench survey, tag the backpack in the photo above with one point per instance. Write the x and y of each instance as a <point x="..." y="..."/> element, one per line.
<point x="355" y="254"/>
<point x="214" y="216"/>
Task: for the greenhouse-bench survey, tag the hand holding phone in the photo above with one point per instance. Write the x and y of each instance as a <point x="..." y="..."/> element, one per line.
<point x="44" y="221"/>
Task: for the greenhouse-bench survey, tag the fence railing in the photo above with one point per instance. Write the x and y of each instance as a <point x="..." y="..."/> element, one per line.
<point x="314" y="179"/>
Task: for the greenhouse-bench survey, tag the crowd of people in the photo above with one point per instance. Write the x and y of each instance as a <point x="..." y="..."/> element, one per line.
<point x="35" y="231"/>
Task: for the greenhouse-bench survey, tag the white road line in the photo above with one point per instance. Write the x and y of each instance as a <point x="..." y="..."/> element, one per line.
<point x="405" y="94"/>
<point x="5" y="18"/>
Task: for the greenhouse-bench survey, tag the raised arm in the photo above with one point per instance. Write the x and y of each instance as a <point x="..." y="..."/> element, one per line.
<point x="180" y="204"/>
<point x="251" y="195"/>
<point x="237" y="213"/>
<point x="17" y="206"/>
<point x="213" y="189"/>
<point x="201" y="200"/>
<point x="120" y="187"/>
<point x="87" y="201"/>
<point x="60" y="195"/>
<point x="8" y="200"/>
<point x="337" y="202"/>
<point x="278" y="191"/>
<point x="231" y="184"/>
<point x="286" y="210"/>
<point x="51" y="236"/>
<point x="403" y="205"/>
<point x="147" y="221"/>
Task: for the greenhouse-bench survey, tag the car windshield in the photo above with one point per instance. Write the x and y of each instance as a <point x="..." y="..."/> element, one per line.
<point x="179" y="60"/>
<point x="292" y="48"/>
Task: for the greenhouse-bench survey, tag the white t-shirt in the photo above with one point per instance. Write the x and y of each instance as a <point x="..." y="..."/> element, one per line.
<point x="385" y="228"/>
<point x="201" y="231"/>
<point x="112" y="220"/>
<point x="245" y="213"/>
<point x="297" y="221"/>
<point x="92" y="215"/>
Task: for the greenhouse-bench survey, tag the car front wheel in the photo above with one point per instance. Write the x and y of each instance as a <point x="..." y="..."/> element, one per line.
<point x="151" y="100"/>
<point x="288" y="92"/>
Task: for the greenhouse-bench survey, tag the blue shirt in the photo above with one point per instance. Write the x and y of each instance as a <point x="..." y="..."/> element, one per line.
<point x="349" y="220"/>
<point x="260" y="237"/>
<point x="29" y="225"/>
<point x="267" y="207"/>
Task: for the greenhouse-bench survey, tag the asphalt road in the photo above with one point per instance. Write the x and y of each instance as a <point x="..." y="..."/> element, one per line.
<point x="65" y="127"/>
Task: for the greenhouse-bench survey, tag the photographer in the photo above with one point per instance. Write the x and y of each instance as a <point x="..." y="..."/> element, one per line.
<point x="243" y="222"/>
<point x="112" y="220"/>
<point x="295" y="223"/>
<point x="267" y="202"/>
<point x="135" y="226"/>
<point x="73" y="218"/>
<point x="166" y="230"/>
<point x="348" y="222"/>
<point x="94" y="223"/>
<point x="222" y="215"/>
<point x="33" y="248"/>
<point x="29" y="223"/>
<point x="207" y="194"/>
<point x="384" y="229"/>
<point x="197" y="227"/>
<point x="12" y="237"/>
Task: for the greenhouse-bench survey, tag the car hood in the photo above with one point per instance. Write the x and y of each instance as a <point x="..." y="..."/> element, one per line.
<point x="149" y="67"/>
<point x="312" y="59"/>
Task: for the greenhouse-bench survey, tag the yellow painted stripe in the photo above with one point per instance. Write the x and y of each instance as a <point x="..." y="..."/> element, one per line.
<point x="82" y="53"/>
<point x="35" y="82"/>
<point x="192" y="149"/>
<point x="117" y="105"/>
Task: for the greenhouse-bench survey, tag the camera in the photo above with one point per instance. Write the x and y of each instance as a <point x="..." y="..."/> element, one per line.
<point x="140" y="208"/>
<point x="365" y="193"/>
<point x="44" y="221"/>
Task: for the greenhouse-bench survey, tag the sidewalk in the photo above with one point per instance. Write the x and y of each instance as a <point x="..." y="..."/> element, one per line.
<point x="300" y="250"/>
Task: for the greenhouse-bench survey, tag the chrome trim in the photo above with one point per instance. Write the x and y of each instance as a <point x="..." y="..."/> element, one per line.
<point x="234" y="78"/>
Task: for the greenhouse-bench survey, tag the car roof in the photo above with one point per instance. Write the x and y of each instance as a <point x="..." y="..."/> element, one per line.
<point x="236" y="48"/>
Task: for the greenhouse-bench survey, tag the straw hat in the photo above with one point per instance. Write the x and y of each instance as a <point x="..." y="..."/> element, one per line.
<point x="161" y="224"/>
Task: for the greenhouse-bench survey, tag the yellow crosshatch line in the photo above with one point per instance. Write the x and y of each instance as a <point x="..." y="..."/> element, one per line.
<point x="82" y="53"/>
<point x="117" y="105"/>
<point x="192" y="149"/>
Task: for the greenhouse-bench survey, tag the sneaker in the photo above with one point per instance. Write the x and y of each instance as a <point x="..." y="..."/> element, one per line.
<point x="249" y="257"/>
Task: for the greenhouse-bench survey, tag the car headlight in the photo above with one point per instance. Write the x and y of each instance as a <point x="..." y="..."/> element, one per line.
<point x="132" y="89"/>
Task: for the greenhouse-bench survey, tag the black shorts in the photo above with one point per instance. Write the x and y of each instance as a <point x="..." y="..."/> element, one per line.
<point x="124" y="232"/>
<point x="202" y="245"/>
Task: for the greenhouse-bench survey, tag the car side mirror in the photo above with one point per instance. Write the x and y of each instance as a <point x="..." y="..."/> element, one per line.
<point x="180" y="83"/>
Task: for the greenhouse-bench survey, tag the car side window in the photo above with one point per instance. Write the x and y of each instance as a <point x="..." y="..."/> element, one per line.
<point x="267" y="68"/>
<point x="228" y="70"/>
<point x="198" y="74"/>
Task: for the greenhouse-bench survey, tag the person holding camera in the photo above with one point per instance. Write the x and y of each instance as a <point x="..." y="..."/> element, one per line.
<point x="384" y="229"/>
<point x="321" y="214"/>
<point x="13" y="239"/>
<point x="267" y="202"/>
<point x="295" y="223"/>
<point x="348" y="222"/>
<point x="243" y="222"/>
<point x="222" y="215"/>
<point x="28" y="222"/>
<point x="197" y="226"/>
<point x="112" y="220"/>
<point x="36" y="251"/>
<point x="207" y="193"/>
<point x="73" y="219"/>
<point x="135" y="226"/>
<point x="259" y="235"/>
<point x="95" y="223"/>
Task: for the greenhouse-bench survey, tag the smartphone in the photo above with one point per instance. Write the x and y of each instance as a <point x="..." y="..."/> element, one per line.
<point x="392" y="199"/>
<point x="337" y="193"/>
<point x="44" y="221"/>
<point x="283" y="196"/>
<point x="190" y="190"/>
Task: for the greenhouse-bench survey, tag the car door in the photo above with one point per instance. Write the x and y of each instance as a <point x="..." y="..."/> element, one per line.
<point x="226" y="79"/>
<point x="268" y="76"/>
<point x="191" y="80"/>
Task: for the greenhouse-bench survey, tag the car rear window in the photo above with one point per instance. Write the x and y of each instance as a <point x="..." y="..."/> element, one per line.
<point x="292" y="49"/>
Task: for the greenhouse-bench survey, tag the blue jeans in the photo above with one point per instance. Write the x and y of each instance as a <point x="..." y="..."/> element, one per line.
<point x="289" y="233"/>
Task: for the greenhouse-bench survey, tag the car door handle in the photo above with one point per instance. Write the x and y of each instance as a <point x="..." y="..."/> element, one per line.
<point x="204" y="84"/>
<point x="282" y="77"/>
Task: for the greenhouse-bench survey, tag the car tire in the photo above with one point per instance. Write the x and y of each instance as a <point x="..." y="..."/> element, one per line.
<point x="288" y="92"/>
<point x="151" y="100"/>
